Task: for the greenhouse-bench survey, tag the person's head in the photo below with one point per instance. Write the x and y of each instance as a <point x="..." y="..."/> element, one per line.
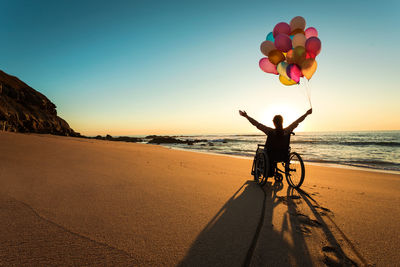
<point x="278" y="121"/>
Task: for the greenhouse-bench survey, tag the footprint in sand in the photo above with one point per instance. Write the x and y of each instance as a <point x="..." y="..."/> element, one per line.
<point x="308" y="221"/>
<point x="303" y="229"/>
<point x="334" y="258"/>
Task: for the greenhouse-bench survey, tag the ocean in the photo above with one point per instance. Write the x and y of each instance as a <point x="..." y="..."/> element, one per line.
<point x="378" y="150"/>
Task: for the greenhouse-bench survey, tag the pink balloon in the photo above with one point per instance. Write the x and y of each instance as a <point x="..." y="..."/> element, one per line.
<point x="294" y="72"/>
<point x="267" y="66"/>
<point x="311" y="32"/>
<point x="281" y="27"/>
<point x="283" y="42"/>
<point x="313" y="46"/>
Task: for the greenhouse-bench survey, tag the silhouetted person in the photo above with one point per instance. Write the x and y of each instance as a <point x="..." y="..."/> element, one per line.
<point x="278" y="138"/>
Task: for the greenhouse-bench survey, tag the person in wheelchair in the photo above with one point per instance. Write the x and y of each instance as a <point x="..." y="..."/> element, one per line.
<point x="278" y="139"/>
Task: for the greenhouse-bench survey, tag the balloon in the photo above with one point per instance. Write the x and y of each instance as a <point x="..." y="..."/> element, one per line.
<point x="283" y="42"/>
<point x="270" y="37"/>
<point x="297" y="31"/>
<point x="266" y="47"/>
<point x="286" y="81"/>
<point x="308" y="67"/>
<point x="281" y="68"/>
<point x="298" y="23"/>
<point x="289" y="56"/>
<point x="313" y="46"/>
<point x="310" y="55"/>
<point x="299" y="55"/>
<point x="290" y="51"/>
<point x="281" y="27"/>
<point x="299" y="40"/>
<point x="267" y="66"/>
<point x="294" y="72"/>
<point x="276" y="56"/>
<point x="311" y="32"/>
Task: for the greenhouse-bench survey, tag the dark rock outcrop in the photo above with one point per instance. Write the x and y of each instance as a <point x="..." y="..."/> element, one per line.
<point x="172" y="140"/>
<point x="119" y="138"/>
<point x="23" y="109"/>
<point x="165" y="140"/>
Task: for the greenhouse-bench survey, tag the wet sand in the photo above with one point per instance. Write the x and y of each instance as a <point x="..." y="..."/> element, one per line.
<point x="70" y="201"/>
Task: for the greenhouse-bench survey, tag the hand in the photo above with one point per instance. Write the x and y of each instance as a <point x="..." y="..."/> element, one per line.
<point x="243" y="113"/>
<point x="309" y="111"/>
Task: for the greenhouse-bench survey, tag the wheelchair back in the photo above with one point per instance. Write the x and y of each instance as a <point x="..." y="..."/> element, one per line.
<point x="277" y="146"/>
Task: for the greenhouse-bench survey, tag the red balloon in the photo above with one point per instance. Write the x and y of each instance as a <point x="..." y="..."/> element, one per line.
<point x="281" y="27"/>
<point x="313" y="46"/>
<point x="283" y="42"/>
<point x="267" y="66"/>
<point x="294" y="72"/>
<point x="310" y="55"/>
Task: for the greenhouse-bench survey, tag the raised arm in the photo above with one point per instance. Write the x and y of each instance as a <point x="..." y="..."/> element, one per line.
<point x="259" y="126"/>
<point x="296" y="122"/>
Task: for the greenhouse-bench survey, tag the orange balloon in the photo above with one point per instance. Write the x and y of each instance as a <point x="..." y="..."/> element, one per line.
<point x="276" y="56"/>
<point x="290" y="57"/>
<point x="297" y="23"/>
<point x="294" y="32"/>
<point x="308" y="67"/>
<point x="266" y="47"/>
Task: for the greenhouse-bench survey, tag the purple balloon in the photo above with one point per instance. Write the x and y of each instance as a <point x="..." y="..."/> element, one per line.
<point x="283" y="42"/>
<point x="311" y="32"/>
<point x="267" y="66"/>
<point x="294" y="72"/>
<point x="313" y="46"/>
<point x="281" y="27"/>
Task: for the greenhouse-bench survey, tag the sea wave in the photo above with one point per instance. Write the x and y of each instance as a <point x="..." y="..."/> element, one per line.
<point x="348" y="143"/>
<point x="315" y="142"/>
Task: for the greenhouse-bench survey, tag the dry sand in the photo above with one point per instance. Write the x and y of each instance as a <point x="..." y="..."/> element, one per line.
<point x="70" y="201"/>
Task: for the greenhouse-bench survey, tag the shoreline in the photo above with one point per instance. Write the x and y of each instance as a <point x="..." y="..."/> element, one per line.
<point x="327" y="164"/>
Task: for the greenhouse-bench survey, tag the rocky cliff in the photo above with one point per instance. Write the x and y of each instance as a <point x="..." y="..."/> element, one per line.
<point x="23" y="109"/>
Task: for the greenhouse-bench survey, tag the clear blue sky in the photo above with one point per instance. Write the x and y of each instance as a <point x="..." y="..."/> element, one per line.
<point x="170" y="67"/>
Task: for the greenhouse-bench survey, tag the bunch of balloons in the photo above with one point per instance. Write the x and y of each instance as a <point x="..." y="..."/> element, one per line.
<point x="291" y="50"/>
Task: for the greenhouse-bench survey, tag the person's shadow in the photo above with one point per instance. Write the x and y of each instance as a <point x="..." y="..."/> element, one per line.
<point x="232" y="233"/>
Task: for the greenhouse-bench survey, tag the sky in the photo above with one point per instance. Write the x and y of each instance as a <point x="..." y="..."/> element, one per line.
<point x="187" y="67"/>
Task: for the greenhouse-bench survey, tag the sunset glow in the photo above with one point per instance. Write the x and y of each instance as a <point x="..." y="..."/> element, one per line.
<point x="188" y="68"/>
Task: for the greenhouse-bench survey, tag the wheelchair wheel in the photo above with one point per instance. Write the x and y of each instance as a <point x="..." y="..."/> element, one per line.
<point x="294" y="170"/>
<point x="261" y="169"/>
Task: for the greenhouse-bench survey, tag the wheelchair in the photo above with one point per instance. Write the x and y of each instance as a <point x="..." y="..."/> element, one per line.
<point x="277" y="162"/>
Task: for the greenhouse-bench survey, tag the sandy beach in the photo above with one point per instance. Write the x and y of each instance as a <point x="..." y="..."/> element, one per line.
<point x="72" y="201"/>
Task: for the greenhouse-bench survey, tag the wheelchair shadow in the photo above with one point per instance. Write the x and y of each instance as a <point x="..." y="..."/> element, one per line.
<point x="282" y="240"/>
<point x="263" y="227"/>
<point x="243" y="230"/>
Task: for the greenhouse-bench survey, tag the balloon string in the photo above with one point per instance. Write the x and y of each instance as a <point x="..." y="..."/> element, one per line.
<point x="308" y="92"/>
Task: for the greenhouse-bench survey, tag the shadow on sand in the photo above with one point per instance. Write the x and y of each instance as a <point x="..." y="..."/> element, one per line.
<point x="242" y="232"/>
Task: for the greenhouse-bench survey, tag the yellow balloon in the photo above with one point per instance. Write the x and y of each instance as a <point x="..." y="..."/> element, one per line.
<point x="308" y="67"/>
<point x="286" y="81"/>
<point x="281" y="68"/>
